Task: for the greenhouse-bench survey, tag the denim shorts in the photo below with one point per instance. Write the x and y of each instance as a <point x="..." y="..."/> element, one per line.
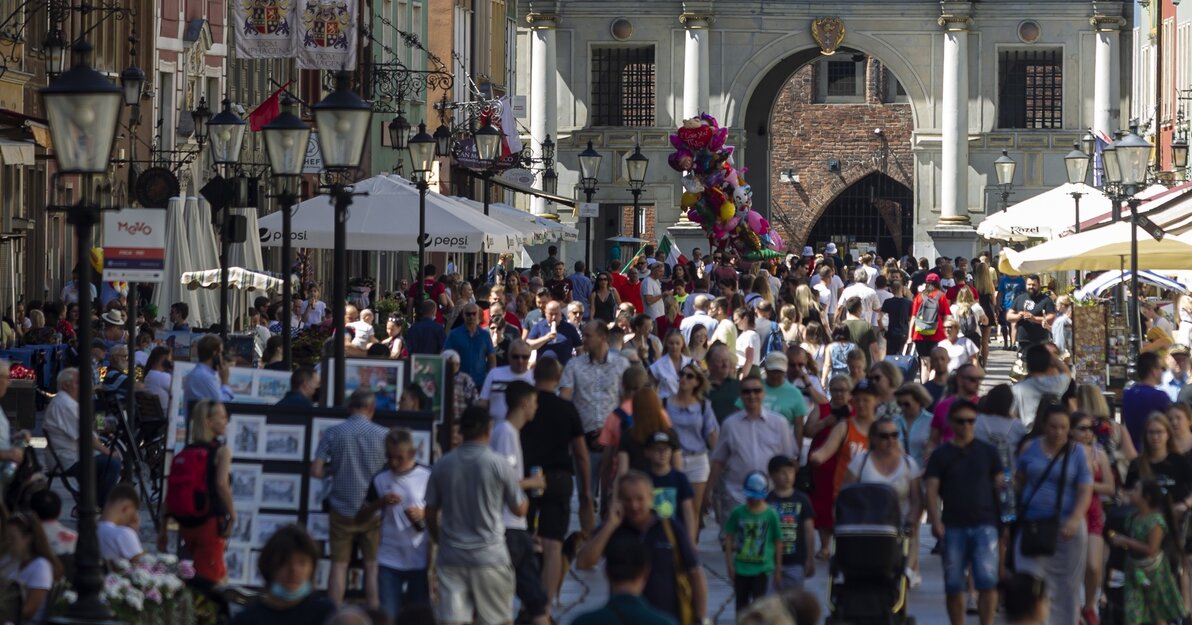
<point x="974" y="547"/>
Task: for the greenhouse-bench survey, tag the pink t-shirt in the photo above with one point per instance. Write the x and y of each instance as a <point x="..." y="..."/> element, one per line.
<point x="939" y="418"/>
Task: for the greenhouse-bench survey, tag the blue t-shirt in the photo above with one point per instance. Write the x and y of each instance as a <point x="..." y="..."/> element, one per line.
<point x="1138" y="402"/>
<point x="1010" y="287"/>
<point x="473" y="351"/>
<point x="562" y="346"/>
<point x="1040" y="499"/>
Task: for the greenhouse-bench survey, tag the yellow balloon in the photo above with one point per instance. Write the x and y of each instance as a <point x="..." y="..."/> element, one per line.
<point x="727" y="210"/>
<point x="689" y="199"/>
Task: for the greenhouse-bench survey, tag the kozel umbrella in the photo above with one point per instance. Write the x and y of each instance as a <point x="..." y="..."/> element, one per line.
<point x="387" y="220"/>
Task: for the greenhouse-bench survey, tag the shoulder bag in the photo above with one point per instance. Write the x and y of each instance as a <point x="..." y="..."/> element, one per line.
<point x="1041" y="536"/>
<point x="683" y="590"/>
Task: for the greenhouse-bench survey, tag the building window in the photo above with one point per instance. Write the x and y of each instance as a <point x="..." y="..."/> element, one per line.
<point x="623" y="82"/>
<point x="840" y="81"/>
<point x="1030" y="89"/>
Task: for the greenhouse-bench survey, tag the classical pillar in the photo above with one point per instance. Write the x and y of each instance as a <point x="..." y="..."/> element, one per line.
<point x="1105" y="87"/>
<point x="953" y="235"/>
<point x="954" y="118"/>
<point x="695" y="64"/>
<point x="543" y="90"/>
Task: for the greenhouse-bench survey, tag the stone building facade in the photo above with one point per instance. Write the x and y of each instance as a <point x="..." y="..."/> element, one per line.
<point x="970" y="79"/>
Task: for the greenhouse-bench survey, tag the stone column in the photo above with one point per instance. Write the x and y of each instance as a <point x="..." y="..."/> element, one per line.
<point x="953" y="235"/>
<point x="543" y="90"/>
<point x="695" y="64"/>
<point x="1105" y="87"/>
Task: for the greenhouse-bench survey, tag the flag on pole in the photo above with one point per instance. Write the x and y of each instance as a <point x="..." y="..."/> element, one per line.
<point x="671" y="250"/>
<point x="266" y="111"/>
<point x="633" y="259"/>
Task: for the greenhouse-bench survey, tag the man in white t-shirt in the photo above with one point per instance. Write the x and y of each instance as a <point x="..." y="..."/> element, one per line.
<point x="828" y="287"/>
<point x="492" y="393"/>
<point x="860" y="289"/>
<point x="871" y="272"/>
<point x="652" y="292"/>
<point x="118" y="525"/>
<point x="399" y="492"/>
<point x="506" y="443"/>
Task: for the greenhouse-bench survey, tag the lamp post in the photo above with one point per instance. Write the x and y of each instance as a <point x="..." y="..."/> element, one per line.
<point x="589" y="169"/>
<point x="422" y="153"/>
<point x="83" y="109"/>
<point x="1005" y="166"/>
<point x="1133" y="153"/>
<point x="1077" y="165"/>
<point x="1179" y="154"/>
<point x="286" y="138"/>
<point x="343" y="120"/>
<point x="226" y="131"/>
<point x="637" y="165"/>
<point x="488" y="148"/>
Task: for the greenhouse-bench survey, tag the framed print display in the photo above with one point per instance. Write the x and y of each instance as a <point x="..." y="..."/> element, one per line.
<point x="242" y="530"/>
<point x="245" y="435"/>
<point x="281" y="490"/>
<point x="267" y="525"/>
<point x="319" y="525"/>
<point x="383" y="377"/>
<point x="246" y="483"/>
<point x="283" y="442"/>
<point x="428" y="372"/>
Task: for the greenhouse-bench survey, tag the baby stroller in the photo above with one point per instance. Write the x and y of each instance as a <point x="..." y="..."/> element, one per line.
<point x="867" y="583"/>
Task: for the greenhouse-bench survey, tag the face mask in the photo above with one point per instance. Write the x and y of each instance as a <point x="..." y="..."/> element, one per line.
<point x="298" y="594"/>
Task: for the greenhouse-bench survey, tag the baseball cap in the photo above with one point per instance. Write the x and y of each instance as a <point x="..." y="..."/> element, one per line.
<point x="933" y="278"/>
<point x="807" y="251"/>
<point x="1179" y="350"/>
<point x="830" y="248"/>
<point x="776" y="361"/>
<point x="757" y="485"/>
<point x="660" y="437"/>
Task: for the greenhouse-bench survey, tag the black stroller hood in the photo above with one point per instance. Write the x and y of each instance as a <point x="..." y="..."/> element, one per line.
<point x="868" y="509"/>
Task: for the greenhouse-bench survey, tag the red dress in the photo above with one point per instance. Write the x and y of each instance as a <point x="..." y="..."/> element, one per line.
<point x="662" y="325"/>
<point x="823" y="479"/>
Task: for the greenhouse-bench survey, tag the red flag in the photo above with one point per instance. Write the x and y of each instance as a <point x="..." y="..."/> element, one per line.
<point x="267" y="110"/>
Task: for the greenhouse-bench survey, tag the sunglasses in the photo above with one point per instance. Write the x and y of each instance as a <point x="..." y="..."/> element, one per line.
<point x="887" y="436"/>
<point x="751" y="391"/>
<point x="964" y="421"/>
<point x="687" y="375"/>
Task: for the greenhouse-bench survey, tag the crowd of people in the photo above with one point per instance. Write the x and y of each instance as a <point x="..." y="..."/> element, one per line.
<point x="654" y="398"/>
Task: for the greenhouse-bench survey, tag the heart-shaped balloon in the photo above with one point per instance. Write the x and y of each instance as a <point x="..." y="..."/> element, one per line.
<point x="677" y="142"/>
<point x="696" y="138"/>
<point x="718" y="139"/>
<point x="680" y="160"/>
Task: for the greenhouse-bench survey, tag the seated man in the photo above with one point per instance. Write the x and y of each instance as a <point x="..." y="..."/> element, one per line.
<point x="118" y="525"/>
<point x="62" y="433"/>
<point x="115" y="381"/>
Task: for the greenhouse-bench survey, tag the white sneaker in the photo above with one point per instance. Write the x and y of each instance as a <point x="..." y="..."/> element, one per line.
<point x="914" y="578"/>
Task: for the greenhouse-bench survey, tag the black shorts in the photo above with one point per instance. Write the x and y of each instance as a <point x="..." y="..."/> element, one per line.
<point x="527" y="575"/>
<point x="551" y="513"/>
<point x="923" y="348"/>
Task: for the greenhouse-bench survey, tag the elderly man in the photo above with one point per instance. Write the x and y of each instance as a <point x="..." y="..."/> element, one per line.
<point x="62" y="435"/>
<point x="475" y="346"/>
<point x="492" y="394"/>
<point x="115" y="381"/>
<point x="592" y="381"/>
<point x="748" y="439"/>
<point x="553" y="336"/>
<point x="699" y="317"/>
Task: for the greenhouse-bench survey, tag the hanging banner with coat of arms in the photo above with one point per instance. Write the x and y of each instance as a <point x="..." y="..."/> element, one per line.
<point x="321" y="34"/>
<point x="326" y="34"/>
<point x="264" y="28"/>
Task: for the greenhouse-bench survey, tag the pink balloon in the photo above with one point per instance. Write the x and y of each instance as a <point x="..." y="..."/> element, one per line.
<point x="732" y="223"/>
<point x="765" y="227"/>
<point x="776" y="241"/>
<point x="754" y="219"/>
<point x="719" y="233"/>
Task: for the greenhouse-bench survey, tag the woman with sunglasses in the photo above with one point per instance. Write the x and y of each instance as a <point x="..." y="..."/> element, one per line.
<point x="1052" y="473"/>
<point x="885" y="377"/>
<point x="604" y="300"/>
<point x="695" y="423"/>
<point x="887" y="463"/>
<point x="1103" y="485"/>
<point x="913" y="399"/>
<point x="29" y="562"/>
<point x="818" y="428"/>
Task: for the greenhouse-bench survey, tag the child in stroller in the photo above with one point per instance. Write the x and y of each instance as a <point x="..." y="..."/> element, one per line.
<point x="868" y="583"/>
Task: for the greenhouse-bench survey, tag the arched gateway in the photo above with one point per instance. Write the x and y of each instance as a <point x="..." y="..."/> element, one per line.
<point x="950" y="85"/>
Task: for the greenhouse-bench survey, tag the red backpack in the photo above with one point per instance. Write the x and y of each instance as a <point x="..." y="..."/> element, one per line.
<point x="190" y="498"/>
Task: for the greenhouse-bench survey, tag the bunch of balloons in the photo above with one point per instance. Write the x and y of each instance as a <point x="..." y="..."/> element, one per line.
<point x="715" y="194"/>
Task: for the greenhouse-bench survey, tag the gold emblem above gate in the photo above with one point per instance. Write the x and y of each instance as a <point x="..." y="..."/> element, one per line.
<point x="828" y="32"/>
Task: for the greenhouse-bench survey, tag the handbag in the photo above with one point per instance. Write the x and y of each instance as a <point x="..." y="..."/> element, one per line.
<point x="1041" y="536"/>
<point x="683" y="590"/>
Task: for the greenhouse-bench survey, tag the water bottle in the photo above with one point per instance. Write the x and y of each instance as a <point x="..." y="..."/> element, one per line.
<point x="1008" y="504"/>
<point x="8" y="470"/>
<point x="535" y="472"/>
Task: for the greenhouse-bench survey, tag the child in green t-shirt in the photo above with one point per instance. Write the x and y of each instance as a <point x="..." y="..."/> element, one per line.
<point x="753" y="543"/>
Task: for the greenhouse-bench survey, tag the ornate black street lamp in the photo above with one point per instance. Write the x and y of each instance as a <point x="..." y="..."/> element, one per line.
<point x="83" y="110"/>
<point x="637" y="165"/>
<point x="286" y="138"/>
<point x="589" y="170"/>
<point x="343" y="121"/>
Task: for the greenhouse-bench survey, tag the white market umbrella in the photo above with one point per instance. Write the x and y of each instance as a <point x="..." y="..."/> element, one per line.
<point x="239" y="279"/>
<point x="1108" y="247"/>
<point x="204" y="252"/>
<point x="1044" y="216"/>
<point x="543" y="230"/>
<point x="177" y="262"/>
<point x="387" y="220"/>
<point x="1106" y="281"/>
